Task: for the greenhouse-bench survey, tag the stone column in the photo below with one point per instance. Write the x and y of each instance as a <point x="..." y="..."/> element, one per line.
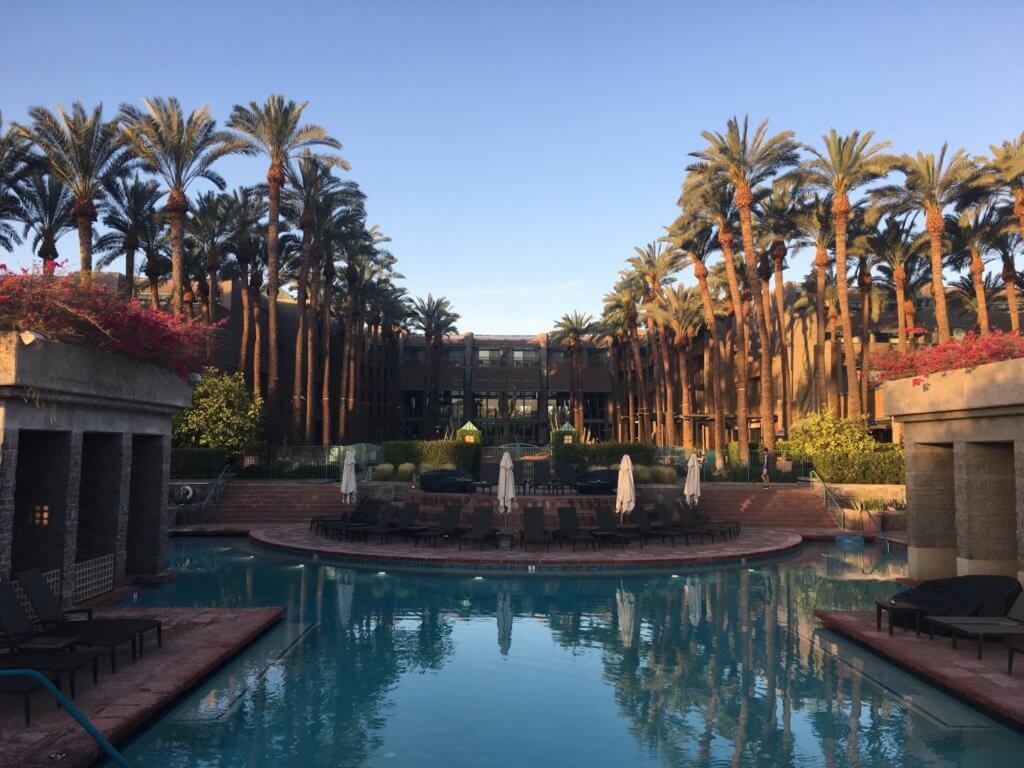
<point x="931" y="512"/>
<point x="986" y="509"/>
<point x="67" y="574"/>
<point x="8" y="472"/>
<point x="124" y="504"/>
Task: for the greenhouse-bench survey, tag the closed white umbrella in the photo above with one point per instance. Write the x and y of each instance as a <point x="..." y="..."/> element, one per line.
<point x="348" y="478"/>
<point x="625" y="607"/>
<point x="506" y="485"/>
<point x="691" y="489"/>
<point x="625" y="493"/>
<point x="504" y="611"/>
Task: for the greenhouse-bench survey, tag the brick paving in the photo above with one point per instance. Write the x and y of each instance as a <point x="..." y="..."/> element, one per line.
<point x="984" y="683"/>
<point x="195" y="642"/>
<point x="757" y="543"/>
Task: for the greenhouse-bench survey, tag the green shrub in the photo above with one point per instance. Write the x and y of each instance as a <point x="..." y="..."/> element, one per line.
<point x="384" y="472"/>
<point x="195" y="463"/>
<point x="610" y="454"/>
<point x="573" y="454"/>
<point x="843" y="450"/>
<point x="223" y="415"/>
<point x="434" y="453"/>
<point x="405" y="472"/>
<point x="641" y="474"/>
<point x="664" y="475"/>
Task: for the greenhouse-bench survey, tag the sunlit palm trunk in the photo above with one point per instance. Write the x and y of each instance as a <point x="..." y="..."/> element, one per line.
<point x="272" y="405"/>
<point x="177" y="231"/>
<point x="820" y="375"/>
<point x="836" y="365"/>
<point x="153" y="280"/>
<point x="1010" y="286"/>
<point x="841" y="212"/>
<point x="725" y="239"/>
<point x="978" y="278"/>
<point x="311" y="330"/>
<point x="935" y="226"/>
<point x="246" y="342"/>
<point x="298" y="414"/>
<point x="659" y="389"/>
<point x="686" y="411"/>
<point x="129" y="272"/>
<point x="901" y="309"/>
<point x="84" y="223"/>
<point x="670" y="389"/>
<point x="783" y="325"/>
<point x="744" y="200"/>
<point x="640" y="379"/>
<point x="864" y="282"/>
<point x="715" y="396"/>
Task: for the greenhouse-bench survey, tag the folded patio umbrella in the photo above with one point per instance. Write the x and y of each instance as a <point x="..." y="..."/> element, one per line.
<point x="504" y="616"/>
<point x="506" y="485"/>
<point x="691" y="489"/>
<point x="348" y="477"/>
<point x="625" y="494"/>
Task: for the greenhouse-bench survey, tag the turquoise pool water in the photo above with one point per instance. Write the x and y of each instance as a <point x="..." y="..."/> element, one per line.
<point x="716" y="668"/>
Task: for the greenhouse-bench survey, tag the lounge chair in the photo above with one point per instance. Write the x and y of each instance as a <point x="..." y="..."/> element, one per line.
<point x="52" y="615"/>
<point x="483" y="528"/>
<point x="533" y="529"/>
<point x="541" y="476"/>
<point x="316" y="523"/>
<point x="960" y="596"/>
<point x="647" y="530"/>
<point x="488" y="477"/>
<point x="729" y="529"/>
<point x="57" y="665"/>
<point x="687" y="524"/>
<point x="405" y="521"/>
<point x="361" y="518"/>
<point x="447" y="527"/>
<point x="21" y="636"/>
<point x="24" y="687"/>
<point x="569" y="529"/>
<point x="608" y="531"/>
<point x="387" y="523"/>
<point x="981" y="627"/>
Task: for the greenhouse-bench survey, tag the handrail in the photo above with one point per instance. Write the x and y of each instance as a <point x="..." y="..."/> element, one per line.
<point x="827" y="496"/>
<point x="72" y="710"/>
<point x="215" y="489"/>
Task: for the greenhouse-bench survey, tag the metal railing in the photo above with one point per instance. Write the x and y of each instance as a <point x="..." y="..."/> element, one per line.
<point x="71" y="709"/>
<point x="214" y="494"/>
<point x="830" y="500"/>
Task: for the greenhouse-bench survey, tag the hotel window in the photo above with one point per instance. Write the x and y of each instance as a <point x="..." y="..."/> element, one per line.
<point x="558" y="408"/>
<point x="524" y="405"/>
<point x="487" y="405"/>
<point x="525" y="358"/>
<point x="451" y="406"/>
<point x="453" y="355"/>
<point x="487" y="358"/>
<point x="594" y="404"/>
<point x="412" y="407"/>
<point x="556" y="356"/>
<point x="413" y="354"/>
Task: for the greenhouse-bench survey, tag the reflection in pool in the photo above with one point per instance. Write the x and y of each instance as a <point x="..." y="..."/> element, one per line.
<point x="716" y="668"/>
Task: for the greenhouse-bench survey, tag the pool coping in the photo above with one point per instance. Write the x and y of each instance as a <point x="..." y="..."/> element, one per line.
<point x="469" y="562"/>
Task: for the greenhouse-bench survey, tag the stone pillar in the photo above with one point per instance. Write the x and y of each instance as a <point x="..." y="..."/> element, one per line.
<point x="67" y="576"/>
<point x="8" y="473"/>
<point x="931" y="511"/>
<point x="124" y="503"/>
<point x="986" y="509"/>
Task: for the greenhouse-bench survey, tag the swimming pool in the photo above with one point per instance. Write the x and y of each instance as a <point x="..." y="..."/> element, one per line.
<point x="716" y="668"/>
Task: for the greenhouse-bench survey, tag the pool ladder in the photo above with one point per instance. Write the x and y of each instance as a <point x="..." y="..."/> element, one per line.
<point x="116" y="757"/>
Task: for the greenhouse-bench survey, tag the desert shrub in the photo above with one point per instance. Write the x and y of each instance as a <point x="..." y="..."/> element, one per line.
<point x="843" y="450"/>
<point x="384" y="472"/>
<point x="223" y="415"/>
<point x="434" y="453"/>
<point x="405" y="472"/>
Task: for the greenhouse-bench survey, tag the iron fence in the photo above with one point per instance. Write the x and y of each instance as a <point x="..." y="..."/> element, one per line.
<point x="781" y="469"/>
<point x="309" y="462"/>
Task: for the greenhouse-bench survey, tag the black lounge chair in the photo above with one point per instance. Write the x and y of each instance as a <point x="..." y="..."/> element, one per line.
<point x="728" y="529"/>
<point x="647" y="530"/>
<point x="666" y="522"/>
<point x="447" y="527"/>
<point x="387" y="523"/>
<point x="483" y="528"/>
<point x="25" y="687"/>
<point x="57" y="665"/>
<point x="569" y="529"/>
<point x="687" y="524"/>
<point x="361" y="518"/>
<point x="542" y="476"/>
<point x="52" y="615"/>
<point x="608" y="531"/>
<point x="957" y="597"/>
<point x="316" y="523"/>
<point x="488" y="477"/>
<point x="981" y="627"/>
<point x="566" y="477"/>
<point x="533" y="529"/>
<point x="405" y="521"/>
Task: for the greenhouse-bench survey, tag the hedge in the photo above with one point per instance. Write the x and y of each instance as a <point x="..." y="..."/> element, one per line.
<point x="193" y="463"/>
<point x="602" y="454"/>
<point x="434" y="453"/>
<point x="883" y="466"/>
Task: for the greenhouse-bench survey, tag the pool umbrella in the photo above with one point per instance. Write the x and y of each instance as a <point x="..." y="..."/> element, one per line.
<point x="348" y="478"/>
<point x="691" y="490"/>
<point x="506" y="486"/>
<point x="693" y="600"/>
<point x="625" y="493"/>
<point x="504" y="612"/>
<point x="625" y="609"/>
<point x="345" y="590"/>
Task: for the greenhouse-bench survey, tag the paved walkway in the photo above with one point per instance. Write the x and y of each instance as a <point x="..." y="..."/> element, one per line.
<point x="982" y="683"/>
<point x="752" y="543"/>
<point x="195" y="642"/>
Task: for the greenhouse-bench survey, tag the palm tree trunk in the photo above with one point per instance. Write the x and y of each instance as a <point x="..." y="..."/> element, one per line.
<point x="935" y="226"/>
<point x="836" y="368"/>
<point x="978" y="278"/>
<point x="659" y="390"/>
<point x="257" y="346"/>
<point x="742" y="354"/>
<point x="1010" y="286"/>
<point x="273" y="394"/>
<point x="84" y="223"/>
<point x="685" y="409"/>
<point x="211" y="293"/>
<point x="865" y="338"/>
<point x="346" y="341"/>
<point x="840" y="213"/>
<point x="154" y="292"/>
<point x="311" y="329"/>
<point x="640" y="378"/>
<point x="744" y="200"/>
<point x="631" y="426"/>
<point x="325" y="340"/>
<point x="783" y="325"/>
<point x="177" y="234"/>
<point x="820" y="376"/>
<point x="129" y="273"/>
<point x="716" y="396"/>
<point x="577" y="388"/>
<point x="299" y="369"/>
<point x="670" y="389"/>
<point x="246" y="343"/>
<point x="901" y="310"/>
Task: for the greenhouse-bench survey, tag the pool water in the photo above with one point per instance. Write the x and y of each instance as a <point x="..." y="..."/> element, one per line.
<point x="717" y="668"/>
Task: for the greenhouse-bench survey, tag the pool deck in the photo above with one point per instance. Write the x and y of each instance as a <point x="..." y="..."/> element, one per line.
<point x="196" y="641"/>
<point x="984" y="683"/>
<point x="751" y="544"/>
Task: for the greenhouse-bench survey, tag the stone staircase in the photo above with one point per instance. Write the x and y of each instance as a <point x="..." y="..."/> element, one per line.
<point x="777" y="506"/>
<point x="275" y="501"/>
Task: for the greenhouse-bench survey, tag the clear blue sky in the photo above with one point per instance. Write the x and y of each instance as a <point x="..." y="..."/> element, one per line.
<point x="517" y="151"/>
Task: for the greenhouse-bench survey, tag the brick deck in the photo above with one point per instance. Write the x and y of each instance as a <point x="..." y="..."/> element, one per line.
<point x="196" y="642"/>
<point x="984" y="683"/>
<point x="751" y="544"/>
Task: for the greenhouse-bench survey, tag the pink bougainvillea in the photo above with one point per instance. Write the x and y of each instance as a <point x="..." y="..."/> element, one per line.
<point x="954" y="354"/>
<point x="90" y="315"/>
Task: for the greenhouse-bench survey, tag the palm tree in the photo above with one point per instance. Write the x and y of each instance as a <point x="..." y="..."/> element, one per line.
<point x="902" y="254"/>
<point x="971" y="235"/>
<point x="47" y="210"/>
<point x="570" y="331"/>
<point x="83" y="153"/>
<point x="697" y="241"/>
<point x="931" y="185"/>
<point x="714" y="205"/>
<point x="615" y="328"/>
<point x="131" y="204"/>
<point x="681" y="312"/>
<point x="243" y="210"/>
<point x="436" y="320"/>
<point x="1005" y="173"/>
<point x="156" y="253"/>
<point x="974" y="301"/>
<point x="1006" y="243"/>
<point x="746" y="161"/>
<point x="816" y="227"/>
<point x="179" y="151"/>
<point x="621" y="303"/>
<point x="274" y="129"/>
<point x="15" y="164"/>
<point x="209" y="230"/>
<point x="654" y="266"/>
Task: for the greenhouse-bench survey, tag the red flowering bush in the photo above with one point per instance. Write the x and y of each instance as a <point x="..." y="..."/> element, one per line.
<point x="954" y="354"/>
<point x="90" y="315"/>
